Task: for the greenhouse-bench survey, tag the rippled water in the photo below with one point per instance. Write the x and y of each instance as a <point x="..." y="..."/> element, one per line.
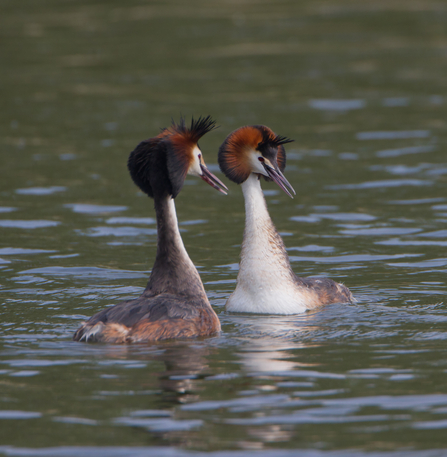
<point x="361" y="88"/>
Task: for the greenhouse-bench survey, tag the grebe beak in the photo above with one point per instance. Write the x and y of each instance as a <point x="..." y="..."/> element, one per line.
<point x="280" y="179"/>
<point x="212" y="180"/>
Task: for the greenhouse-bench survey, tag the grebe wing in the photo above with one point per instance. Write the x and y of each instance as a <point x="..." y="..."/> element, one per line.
<point x="327" y="290"/>
<point x="163" y="306"/>
<point x="164" y="316"/>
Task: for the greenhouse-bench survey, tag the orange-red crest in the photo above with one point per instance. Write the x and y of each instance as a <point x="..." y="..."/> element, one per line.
<point x="162" y="162"/>
<point x="234" y="153"/>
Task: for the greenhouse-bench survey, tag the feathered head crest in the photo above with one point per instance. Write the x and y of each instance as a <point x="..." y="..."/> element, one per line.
<point x="234" y="153"/>
<point x="160" y="164"/>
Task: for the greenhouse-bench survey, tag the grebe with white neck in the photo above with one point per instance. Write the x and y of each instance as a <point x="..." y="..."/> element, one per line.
<point x="266" y="283"/>
<point x="174" y="304"/>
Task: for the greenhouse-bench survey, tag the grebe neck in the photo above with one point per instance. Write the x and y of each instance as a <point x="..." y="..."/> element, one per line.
<point x="265" y="282"/>
<point x="261" y="239"/>
<point x="255" y="204"/>
<point x="173" y="270"/>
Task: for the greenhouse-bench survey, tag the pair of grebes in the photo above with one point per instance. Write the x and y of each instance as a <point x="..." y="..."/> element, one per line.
<point x="174" y="304"/>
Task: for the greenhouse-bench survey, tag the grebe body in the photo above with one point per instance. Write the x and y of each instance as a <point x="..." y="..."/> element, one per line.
<point x="174" y="303"/>
<point x="266" y="282"/>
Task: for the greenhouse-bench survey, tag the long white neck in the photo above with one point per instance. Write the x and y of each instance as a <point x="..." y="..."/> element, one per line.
<point x="266" y="282"/>
<point x="262" y="242"/>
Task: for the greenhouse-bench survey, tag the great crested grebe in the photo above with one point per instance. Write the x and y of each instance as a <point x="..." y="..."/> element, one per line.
<point x="174" y="303"/>
<point x="266" y="283"/>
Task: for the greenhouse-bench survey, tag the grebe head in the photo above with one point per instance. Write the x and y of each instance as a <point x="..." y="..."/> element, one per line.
<point x="255" y="149"/>
<point x="160" y="164"/>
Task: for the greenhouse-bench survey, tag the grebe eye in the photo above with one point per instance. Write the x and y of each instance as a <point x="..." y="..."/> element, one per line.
<point x="261" y="159"/>
<point x="199" y="156"/>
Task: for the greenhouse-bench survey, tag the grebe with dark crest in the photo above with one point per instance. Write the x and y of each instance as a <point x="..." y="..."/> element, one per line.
<point x="266" y="282"/>
<point x="174" y="303"/>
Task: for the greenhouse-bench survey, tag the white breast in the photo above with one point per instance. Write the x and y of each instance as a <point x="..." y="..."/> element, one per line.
<point x="265" y="283"/>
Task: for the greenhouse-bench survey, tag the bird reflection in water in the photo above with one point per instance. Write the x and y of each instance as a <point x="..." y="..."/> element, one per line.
<point x="266" y="434"/>
<point x="269" y="350"/>
<point x="180" y="364"/>
<point x="172" y="378"/>
<point x="269" y="343"/>
<point x="184" y="363"/>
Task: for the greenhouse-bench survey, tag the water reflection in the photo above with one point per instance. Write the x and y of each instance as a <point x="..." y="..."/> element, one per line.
<point x="337" y="105"/>
<point x="27" y="224"/>
<point x="41" y="190"/>
<point x="361" y="88"/>
<point x="404" y="150"/>
<point x="182" y="363"/>
<point x="84" y="208"/>
<point x="267" y="357"/>
<point x="389" y="135"/>
<point x="268" y="342"/>
<point x="169" y="375"/>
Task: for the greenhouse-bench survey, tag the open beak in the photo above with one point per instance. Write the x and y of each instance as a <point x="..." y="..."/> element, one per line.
<point x="280" y="179"/>
<point x="212" y="180"/>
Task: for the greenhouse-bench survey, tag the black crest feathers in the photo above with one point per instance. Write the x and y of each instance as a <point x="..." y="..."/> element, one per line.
<point x="280" y="141"/>
<point x="159" y="165"/>
<point x="140" y="164"/>
<point x="198" y="127"/>
<point x="234" y="153"/>
<point x="271" y="139"/>
<point x="273" y="145"/>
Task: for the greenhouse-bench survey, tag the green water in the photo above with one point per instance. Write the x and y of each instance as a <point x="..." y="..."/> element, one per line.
<point x="361" y="87"/>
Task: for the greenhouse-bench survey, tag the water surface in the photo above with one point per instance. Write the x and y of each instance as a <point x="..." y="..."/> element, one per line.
<point x="361" y="88"/>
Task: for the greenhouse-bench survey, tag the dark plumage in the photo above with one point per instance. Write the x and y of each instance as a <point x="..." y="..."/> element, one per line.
<point x="161" y="163"/>
<point x="174" y="303"/>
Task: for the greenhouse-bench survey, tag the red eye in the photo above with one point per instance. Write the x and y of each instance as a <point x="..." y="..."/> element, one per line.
<point x="261" y="159"/>
<point x="199" y="156"/>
